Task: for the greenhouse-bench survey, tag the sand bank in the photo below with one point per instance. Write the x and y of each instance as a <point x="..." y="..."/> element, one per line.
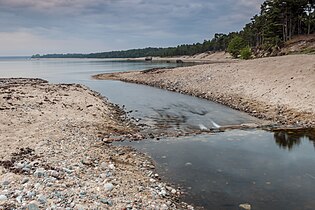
<point x="54" y="154"/>
<point x="207" y="57"/>
<point x="281" y="89"/>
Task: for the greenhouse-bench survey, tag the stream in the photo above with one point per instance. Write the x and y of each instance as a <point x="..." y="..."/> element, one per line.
<point x="268" y="170"/>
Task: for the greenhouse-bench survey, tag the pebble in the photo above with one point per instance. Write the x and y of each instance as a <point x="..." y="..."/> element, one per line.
<point x="103" y="166"/>
<point x="19" y="199"/>
<point x="3" y="198"/>
<point x="32" y="206"/>
<point x="86" y="162"/>
<point x="245" y="206"/>
<point x="42" y="199"/>
<point x="20" y="165"/>
<point x="109" y="186"/>
<point x="53" y="173"/>
<point x="111" y="166"/>
<point x="72" y="205"/>
<point x="26" y="169"/>
<point x="82" y="193"/>
<point x="163" y="193"/>
<point x="25" y="180"/>
<point x="106" y="201"/>
<point x="68" y="171"/>
<point x="37" y="185"/>
<point x="30" y="194"/>
<point x="164" y="207"/>
<point x="40" y="172"/>
<point x="80" y="207"/>
<point x="5" y="183"/>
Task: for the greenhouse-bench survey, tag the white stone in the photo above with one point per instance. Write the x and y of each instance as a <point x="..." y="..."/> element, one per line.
<point x="109" y="186"/>
<point x="3" y="198"/>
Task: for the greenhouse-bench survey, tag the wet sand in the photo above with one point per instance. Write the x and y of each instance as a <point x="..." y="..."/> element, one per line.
<point x="55" y="154"/>
<point x="280" y="89"/>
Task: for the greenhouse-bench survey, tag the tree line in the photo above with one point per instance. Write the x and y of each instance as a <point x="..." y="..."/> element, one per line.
<point x="277" y="22"/>
<point x="218" y="43"/>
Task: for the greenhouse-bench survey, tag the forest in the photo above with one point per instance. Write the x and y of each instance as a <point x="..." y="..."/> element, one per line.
<point x="277" y="22"/>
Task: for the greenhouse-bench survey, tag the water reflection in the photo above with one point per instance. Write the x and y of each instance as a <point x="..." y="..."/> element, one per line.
<point x="288" y="139"/>
<point x="224" y="170"/>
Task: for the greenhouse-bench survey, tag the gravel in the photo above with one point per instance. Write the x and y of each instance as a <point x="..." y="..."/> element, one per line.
<point x="53" y="155"/>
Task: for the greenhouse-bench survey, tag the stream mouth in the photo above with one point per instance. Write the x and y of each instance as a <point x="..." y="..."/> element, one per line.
<point x="266" y="169"/>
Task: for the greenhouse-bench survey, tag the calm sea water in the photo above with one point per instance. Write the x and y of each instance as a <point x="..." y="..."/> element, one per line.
<point x="219" y="171"/>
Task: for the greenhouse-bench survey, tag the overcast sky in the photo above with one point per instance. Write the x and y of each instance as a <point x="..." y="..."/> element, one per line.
<point x="60" y="26"/>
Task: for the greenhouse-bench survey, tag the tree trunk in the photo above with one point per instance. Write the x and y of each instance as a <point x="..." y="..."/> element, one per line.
<point x="309" y="25"/>
<point x="290" y="30"/>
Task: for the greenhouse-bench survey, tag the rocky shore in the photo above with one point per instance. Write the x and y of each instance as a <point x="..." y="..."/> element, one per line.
<point x="279" y="89"/>
<point x="55" y="154"/>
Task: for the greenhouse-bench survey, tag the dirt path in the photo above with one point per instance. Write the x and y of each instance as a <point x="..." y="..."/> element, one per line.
<point x="281" y="89"/>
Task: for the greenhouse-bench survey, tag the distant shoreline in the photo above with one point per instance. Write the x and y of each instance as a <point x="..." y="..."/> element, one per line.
<point x="203" y="58"/>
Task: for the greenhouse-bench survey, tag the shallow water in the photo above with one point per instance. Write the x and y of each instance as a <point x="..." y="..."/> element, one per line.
<point x="220" y="171"/>
<point x="162" y="109"/>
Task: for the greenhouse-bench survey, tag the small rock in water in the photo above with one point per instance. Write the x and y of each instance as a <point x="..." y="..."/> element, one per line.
<point x="202" y="127"/>
<point x="109" y="186"/>
<point x="245" y="206"/>
<point x="188" y="164"/>
<point x="3" y="198"/>
<point x="190" y="207"/>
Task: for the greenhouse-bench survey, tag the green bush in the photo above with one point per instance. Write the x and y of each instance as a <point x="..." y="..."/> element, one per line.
<point x="236" y="45"/>
<point x="246" y="53"/>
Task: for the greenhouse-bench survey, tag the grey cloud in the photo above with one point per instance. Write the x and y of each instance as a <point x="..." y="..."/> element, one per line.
<point x="120" y="24"/>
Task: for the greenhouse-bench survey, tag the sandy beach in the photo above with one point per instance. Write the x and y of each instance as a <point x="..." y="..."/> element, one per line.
<point x="207" y="57"/>
<point x="54" y="152"/>
<point x="280" y="89"/>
